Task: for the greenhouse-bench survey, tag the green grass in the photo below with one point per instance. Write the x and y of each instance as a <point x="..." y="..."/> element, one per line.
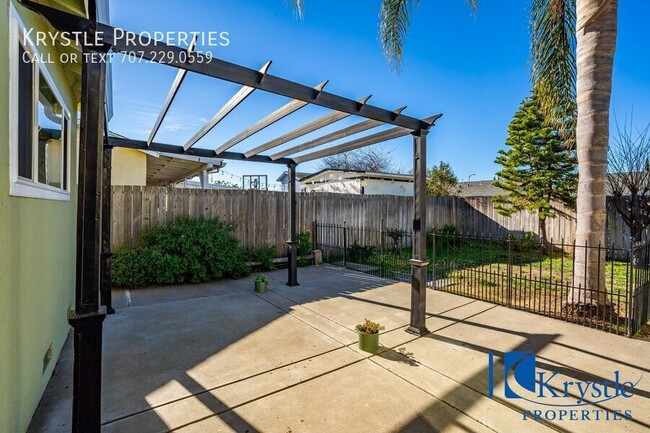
<point x="459" y="259"/>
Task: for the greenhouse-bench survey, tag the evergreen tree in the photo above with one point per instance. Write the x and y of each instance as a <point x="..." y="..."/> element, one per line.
<point x="441" y="180"/>
<point x="538" y="170"/>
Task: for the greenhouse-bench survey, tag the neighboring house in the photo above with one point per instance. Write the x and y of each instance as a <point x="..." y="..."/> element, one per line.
<point x="140" y="168"/>
<point x="479" y="188"/>
<point x="358" y="182"/>
<point x="39" y="97"/>
<point x="195" y="184"/>
<point x="284" y="180"/>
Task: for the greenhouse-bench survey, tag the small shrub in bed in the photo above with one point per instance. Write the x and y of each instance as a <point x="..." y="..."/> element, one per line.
<point x="264" y="256"/>
<point x="185" y="251"/>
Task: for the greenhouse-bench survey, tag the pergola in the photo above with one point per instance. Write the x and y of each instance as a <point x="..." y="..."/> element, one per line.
<point x="93" y="279"/>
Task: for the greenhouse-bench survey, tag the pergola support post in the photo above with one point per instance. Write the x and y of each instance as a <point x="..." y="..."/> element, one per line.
<point x="293" y="235"/>
<point x="88" y="316"/>
<point x="419" y="261"/>
<point x="106" y="285"/>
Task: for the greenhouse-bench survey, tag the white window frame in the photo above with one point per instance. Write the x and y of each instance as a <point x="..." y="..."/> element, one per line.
<point x="20" y="186"/>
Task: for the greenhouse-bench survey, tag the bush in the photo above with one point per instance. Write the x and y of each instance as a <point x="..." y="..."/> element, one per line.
<point x="185" y="251"/>
<point x="304" y="243"/>
<point x="264" y="255"/>
<point x="527" y="243"/>
<point x="359" y="253"/>
<point x="445" y="236"/>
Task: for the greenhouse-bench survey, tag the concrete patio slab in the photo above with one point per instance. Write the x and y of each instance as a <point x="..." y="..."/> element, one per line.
<point x="218" y="357"/>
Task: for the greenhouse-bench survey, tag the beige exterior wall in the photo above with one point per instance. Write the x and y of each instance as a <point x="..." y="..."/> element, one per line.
<point x="353" y="186"/>
<point x="388" y="187"/>
<point x="129" y="167"/>
<point x="37" y="264"/>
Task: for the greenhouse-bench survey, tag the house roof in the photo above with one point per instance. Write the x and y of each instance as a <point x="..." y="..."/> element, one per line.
<point x="299" y="175"/>
<point x="167" y="168"/>
<point x="479" y="188"/>
<point x="355" y="174"/>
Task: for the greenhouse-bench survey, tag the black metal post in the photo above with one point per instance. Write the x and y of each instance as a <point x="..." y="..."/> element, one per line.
<point x="88" y="316"/>
<point x="105" y="284"/>
<point x="293" y="235"/>
<point x="419" y="261"/>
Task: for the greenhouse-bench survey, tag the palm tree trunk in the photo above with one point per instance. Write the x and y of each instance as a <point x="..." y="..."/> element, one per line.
<point x="596" y="29"/>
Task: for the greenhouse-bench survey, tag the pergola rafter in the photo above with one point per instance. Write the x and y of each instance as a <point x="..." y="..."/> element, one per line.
<point x="180" y="76"/>
<point x="227" y="108"/>
<point x="332" y="136"/>
<point x="269" y="120"/>
<point x="315" y="125"/>
<point x="94" y="172"/>
<point x="369" y="140"/>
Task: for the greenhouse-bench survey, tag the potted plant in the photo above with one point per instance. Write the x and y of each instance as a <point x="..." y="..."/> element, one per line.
<point x="369" y="335"/>
<point x="261" y="284"/>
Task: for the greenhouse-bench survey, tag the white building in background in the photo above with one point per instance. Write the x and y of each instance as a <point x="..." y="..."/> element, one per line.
<point x="283" y="179"/>
<point x="358" y="182"/>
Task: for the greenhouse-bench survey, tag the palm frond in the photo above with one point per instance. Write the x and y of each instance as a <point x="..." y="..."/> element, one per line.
<point x="394" y="22"/>
<point x="553" y="60"/>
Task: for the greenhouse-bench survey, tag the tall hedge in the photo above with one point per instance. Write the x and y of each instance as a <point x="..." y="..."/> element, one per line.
<point x="185" y="251"/>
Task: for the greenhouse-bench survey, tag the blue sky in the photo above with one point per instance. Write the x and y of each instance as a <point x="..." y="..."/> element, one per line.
<point x="474" y="70"/>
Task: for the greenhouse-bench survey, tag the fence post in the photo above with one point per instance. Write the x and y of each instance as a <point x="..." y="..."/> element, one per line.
<point x="314" y="235"/>
<point x="382" y="246"/>
<point x="433" y="258"/>
<point x="509" y="272"/>
<point x="631" y="298"/>
<point x="645" y="287"/>
<point x="345" y="246"/>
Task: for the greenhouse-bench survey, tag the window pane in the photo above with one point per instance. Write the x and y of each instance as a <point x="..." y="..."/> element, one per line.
<point x="25" y="120"/>
<point x="50" y="143"/>
<point x="66" y="145"/>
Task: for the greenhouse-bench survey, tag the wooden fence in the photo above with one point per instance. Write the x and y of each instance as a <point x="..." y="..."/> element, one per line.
<point x="261" y="216"/>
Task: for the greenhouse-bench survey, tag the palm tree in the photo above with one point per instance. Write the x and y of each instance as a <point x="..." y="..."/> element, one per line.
<point x="559" y="29"/>
<point x="596" y="29"/>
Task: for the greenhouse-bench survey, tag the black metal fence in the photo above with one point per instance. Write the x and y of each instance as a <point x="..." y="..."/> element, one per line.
<point x="517" y="272"/>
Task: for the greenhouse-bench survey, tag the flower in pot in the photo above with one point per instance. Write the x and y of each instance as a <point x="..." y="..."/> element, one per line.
<point x="369" y="335"/>
<point x="261" y="284"/>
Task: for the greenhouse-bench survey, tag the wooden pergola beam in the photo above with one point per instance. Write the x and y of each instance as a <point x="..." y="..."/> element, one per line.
<point x="379" y="137"/>
<point x="180" y="76"/>
<point x="333" y="136"/>
<point x="122" y="41"/>
<point x="208" y="153"/>
<point x="269" y="120"/>
<point x="317" y="124"/>
<point x="229" y="106"/>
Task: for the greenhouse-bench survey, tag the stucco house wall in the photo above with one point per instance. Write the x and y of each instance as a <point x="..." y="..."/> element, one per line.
<point x="388" y="187"/>
<point x="342" y="186"/>
<point x="129" y="167"/>
<point x="37" y="266"/>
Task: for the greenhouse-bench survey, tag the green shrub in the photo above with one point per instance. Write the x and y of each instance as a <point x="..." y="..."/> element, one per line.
<point x="396" y="235"/>
<point x="185" y="251"/>
<point x="304" y="243"/>
<point x="445" y="236"/>
<point x="359" y="253"/>
<point x="264" y="255"/>
<point x="526" y="243"/>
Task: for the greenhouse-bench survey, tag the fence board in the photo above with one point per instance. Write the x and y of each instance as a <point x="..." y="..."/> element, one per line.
<point x="261" y="216"/>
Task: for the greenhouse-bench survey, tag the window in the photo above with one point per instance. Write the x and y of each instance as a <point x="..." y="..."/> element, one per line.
<point x="39" y="125"/>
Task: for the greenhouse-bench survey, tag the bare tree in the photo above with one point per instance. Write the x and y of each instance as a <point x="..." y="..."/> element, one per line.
<point x="375" y="159"/>
<point x="628" y="177"/>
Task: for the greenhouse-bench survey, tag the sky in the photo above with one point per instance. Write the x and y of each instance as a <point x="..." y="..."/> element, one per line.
<point x="472" y="69"/>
